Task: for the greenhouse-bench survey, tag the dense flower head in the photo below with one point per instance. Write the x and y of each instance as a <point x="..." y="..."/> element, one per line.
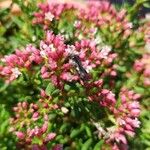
<point x="61" y="62"/>
<point x="91" y="21"/>
<point x="93" y="57"/>
<point x="124" y="117"/>
<point x="54" y="51"/>
<point x="14" y="64"/>
<point x="126" y="114"/>
<point x="31" y="121"/>
<point x="98" y="18"/>
<point x="51" y="11"/>
<point x="100" y="12"/>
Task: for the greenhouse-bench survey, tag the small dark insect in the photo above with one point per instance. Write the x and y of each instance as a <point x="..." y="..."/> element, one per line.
<point x="81" y="71"/>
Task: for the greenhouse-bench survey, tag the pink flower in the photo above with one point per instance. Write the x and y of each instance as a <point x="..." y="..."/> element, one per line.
<point x="135" y="112"/>
<point x="44" y="127"/>
<point x="120" y="138"/>
<point x="147" y="82"/>
<point x="108" y="98"/>
<point x="43" y="93"/>
<point x="134" y="105"/>
<point x="104" y="51"/>
<point x="138" y="66"/>
<point x="20" y="135"/>
<point x="50" y="136"/>
<point x="35" y="116"/>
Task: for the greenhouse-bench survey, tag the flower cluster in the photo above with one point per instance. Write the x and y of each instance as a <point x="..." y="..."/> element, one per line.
<point x="124" y="118"/>
<point x="31" y="122"/>
<point x="54" y="59"/>
<point x="57" y="68"/>
<point x="51" y="11"/>
<point x="93" y="21"/>
<point x="13" y="64"/>
<point x="102" y="16"/>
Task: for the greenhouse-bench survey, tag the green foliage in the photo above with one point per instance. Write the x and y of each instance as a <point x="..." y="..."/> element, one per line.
<point x="6" y="139"/>
<point x="74" y="132"/>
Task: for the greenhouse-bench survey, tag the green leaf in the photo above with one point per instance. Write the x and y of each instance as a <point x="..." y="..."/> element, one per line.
<point x="2" y="30"/>
<point x="56" y="91"/>
<point x="98" y="145"/>
<point x="64" y="127"/>
<point x="87" y="144"/>
<point x="147" y="4"/>
<point x="36" y="140"/>
<point x="59" y="137"/>
<point x="139" y="90"/>
<point x="121" y="68"/>
<point x="76" y="132"/>
<point x="88" y="131"/>
<point x="63" y="140"/>
<point x="67" y="87"/>
<point x="3" y="127"/>
<point x="50" y="89"/>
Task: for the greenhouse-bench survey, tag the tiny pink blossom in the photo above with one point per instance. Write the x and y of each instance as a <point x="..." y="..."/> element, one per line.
<point x="35" y="116"/>
<point x="120" y="138"/>
<point x="50" y="136"/>
<point x="20" y="135"/>
<point x="135" y="112"/>
<point x="44" y="127"/>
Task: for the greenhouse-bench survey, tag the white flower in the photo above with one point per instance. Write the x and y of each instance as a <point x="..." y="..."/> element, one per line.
<point x="87" y="67"/>
<point x="3" y="59"/>
<point x="71" y="50"/>
<point x="43" y="53"/>
<point x="77" y="23"/>
<point x="62" y="31"/>
<point x="33" y="38"/>
<point x="80" y="37"/>
<point x="43" y="46"/>
<point x="111" y="129"/>
<point x="130" y="25"/>
<point x="99" y="128"/>
<point x="104" y="51"/>
<point x="136" y="123"/>
<point x="121" y="121"/>
<point x="51" y="46"/>
<point x="66" y="36"/>
<point x="15" y="72"/>
<point x="64" y="110"/>
<point x="95" y="31"/>
<point x="98" y="39"/>
<point x="49" y="16"/>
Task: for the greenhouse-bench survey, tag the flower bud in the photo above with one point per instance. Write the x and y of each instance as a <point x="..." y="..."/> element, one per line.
<point x="35" y="115"/>
<point x="50" y="136"/>
<point x="20" y="135"/>
<point x="64" y="110"/>
<point x="44" y="127"/>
